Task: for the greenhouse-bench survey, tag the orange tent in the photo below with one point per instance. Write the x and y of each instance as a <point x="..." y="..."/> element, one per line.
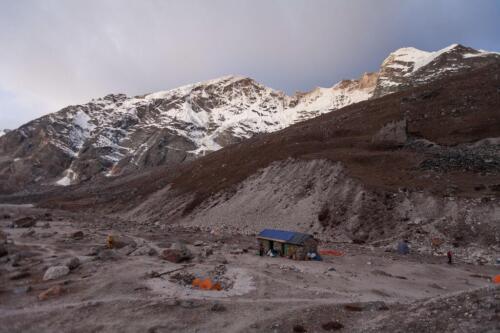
<point x="206" y="284"/>
<point x="196" y="282"/>
<point x="496" y="279"/>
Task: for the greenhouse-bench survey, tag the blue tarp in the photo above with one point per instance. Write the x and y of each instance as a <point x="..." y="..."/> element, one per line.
<point x="403" y="248"/>
<point x="284" y="236"/>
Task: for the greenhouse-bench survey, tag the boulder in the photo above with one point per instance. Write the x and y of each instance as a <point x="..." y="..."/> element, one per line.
<point x="178" y="252"/>
<point x="24" y="222"/>
<point x="55" y="272"/>
<point x="172" y="255"/>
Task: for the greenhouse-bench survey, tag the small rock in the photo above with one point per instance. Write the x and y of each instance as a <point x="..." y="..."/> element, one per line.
<point x="29" y="233"/>
<point x="143" y="251"/>
<point x="107" y="254"/>
<point x="72" y="263"/>
<point x="376" y="306"/>
<point x="3" y="250"/>
<point x="217" y="307"/>
<point x="55" y="272"/>
<point x="77" y="235"/>
<point x="171" y="255"/>
<point x="47" y="234"/>
<point x="299" y="328"/>
<point x="119" y="242"/>
<point x="178" y="252"/>
<point x="198" y="243"/>
<point x="332" y="326"/>
<point x="153" y="274"/>
<point x="236" y="251"/>
<point x="222" y="260"/>
<point x="188" y="304"/>
<point x="24" y="222"/>
<point x="51" y="292"/>
<point x="206" y="251"/>
<point x="353" y="307"/>
<point x="93" y="251"/>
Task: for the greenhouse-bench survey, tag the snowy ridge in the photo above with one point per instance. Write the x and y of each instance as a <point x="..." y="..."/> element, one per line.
<point x="415" y="58"/>
<point x="116" y="133"/>
<point x="409" y="66"/>
<point x="207" y="115"/>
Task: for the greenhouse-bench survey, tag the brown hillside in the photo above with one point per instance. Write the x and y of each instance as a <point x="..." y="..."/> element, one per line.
<point x="443" y="120"/>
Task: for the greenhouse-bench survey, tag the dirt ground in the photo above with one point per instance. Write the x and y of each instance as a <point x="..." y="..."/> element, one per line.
<point x="133" y="289"/>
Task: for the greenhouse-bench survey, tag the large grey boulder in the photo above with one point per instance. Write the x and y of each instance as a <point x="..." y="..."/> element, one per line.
<point x="55" y="272"/>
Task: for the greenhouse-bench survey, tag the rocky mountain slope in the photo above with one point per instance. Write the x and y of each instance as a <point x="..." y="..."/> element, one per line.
<point x="420" y="164"/>
<point x="116" y="134"/>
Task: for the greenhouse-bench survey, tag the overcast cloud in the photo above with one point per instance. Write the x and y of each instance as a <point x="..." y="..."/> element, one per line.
<point x="59" y="52"/>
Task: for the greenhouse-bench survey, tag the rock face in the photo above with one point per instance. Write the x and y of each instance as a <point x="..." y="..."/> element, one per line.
<point x="394" y="133"/>
<point x="117" y="134"/>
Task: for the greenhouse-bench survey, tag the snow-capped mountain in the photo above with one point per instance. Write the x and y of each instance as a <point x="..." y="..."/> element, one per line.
<point x="410" y="67"/>
<point x="118" y="134"/>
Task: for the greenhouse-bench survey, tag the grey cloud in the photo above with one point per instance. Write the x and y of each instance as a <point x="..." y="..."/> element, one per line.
<point x="58" y="52"/>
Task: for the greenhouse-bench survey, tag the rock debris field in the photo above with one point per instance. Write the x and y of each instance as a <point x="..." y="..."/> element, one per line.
<point x="59" y="274"/>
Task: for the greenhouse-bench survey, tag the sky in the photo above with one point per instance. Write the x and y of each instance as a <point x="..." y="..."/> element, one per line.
<point x="55" y="53"/>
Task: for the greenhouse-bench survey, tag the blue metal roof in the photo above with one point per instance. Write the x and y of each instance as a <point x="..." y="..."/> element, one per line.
<point x="284" y="236"/>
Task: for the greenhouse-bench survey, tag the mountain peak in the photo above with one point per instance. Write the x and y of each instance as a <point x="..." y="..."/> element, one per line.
<point x="116" y="134"/>
<point x="186" y="89"/>
<point x="419" y="58"/>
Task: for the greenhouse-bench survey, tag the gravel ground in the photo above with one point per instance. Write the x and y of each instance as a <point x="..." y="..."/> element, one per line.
<point x="366" y="289"/>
